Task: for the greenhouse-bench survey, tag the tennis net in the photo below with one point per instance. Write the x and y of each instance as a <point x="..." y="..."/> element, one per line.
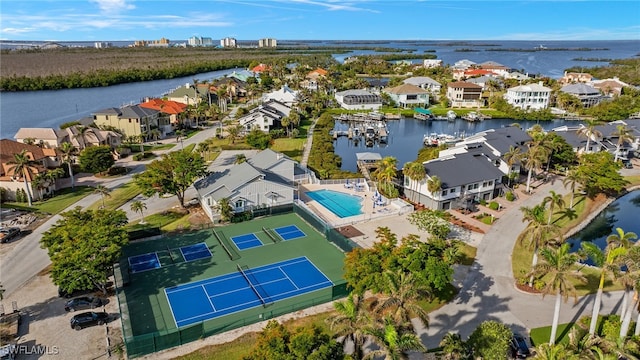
<point x="269" y="234"/>
<point x="253" y="286"/>
<point x="231" y="255"/>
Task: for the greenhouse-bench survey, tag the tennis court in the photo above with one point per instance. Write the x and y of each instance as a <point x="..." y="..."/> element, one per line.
<point x="244" y="289"/>
<point x="246" y="241"/>
<point x="289" y="232"/>
<point x="195" y="252"/>
<point x="144" y="262"/>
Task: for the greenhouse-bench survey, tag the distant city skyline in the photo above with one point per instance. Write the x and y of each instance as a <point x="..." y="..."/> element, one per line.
<point x="130" y="20"/>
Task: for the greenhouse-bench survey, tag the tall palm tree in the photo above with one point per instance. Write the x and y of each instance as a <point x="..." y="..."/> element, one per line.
<point x="453" y="347"/>
<point x="83" y="135"/>
<point x="139" y="207"/>
<point x="240" y="158"/>
<point x="53" y="175"/>
<point x="553" y="200"/>
<point x="511" y="157"/>
<point x="630" y="279"/>
<point x="537" y="233"/>
<point x="584" y="345"/>
<point x="571" y="180"/>
<point x="386" y="173"/>
<point x="349" y="321"/>
<point x="393" y="340"/>
<point x="624" y="134"/>
<point x="68" y="152"/>
<point x="608" y="262"/>
<point x="401" y="300"/>
<point x="534" y="158"/>
<point x="434" y="184"/>
<point x="416" y="172"/>
<point x="558" y="269"/>
<point x="624" y="240"/>
<point x="589" y="131"/>
<point x="548" y="351"/>
<point x="23" y="165"/>
<point x="103" y="191"/>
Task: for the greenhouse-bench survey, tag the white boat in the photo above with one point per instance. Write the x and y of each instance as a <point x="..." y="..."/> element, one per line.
<point x="370" y="133"/>
<point x="434" y="139"/>
<point x="451" y="115"/>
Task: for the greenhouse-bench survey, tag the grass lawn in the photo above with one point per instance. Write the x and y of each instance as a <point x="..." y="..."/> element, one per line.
<point x="293" y="148"/>
<point x="543" y="334"/>
<point x="166" y="221"/>
<point x="62" y="200"/>
<point x="468" y="254"/>
<point x="118" y="197"/>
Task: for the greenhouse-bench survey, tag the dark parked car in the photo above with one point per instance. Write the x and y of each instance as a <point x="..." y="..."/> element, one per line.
<point x="6" y="234"/>
<point x="83" y="303"/>
<point x="87" y="319"/>
<point x="628" y="165"/>
<point x="519" y="347"/>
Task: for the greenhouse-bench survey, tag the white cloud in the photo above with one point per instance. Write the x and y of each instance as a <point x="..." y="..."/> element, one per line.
<point x="113" y="6"/>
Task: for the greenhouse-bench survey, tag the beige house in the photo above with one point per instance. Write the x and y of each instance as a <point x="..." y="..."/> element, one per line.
<point x="408" y="95"/>
<point x="574" y="77"/>
<point x="43" y="159"/>
<point x="609" y="87"/>
<point x="464" y="94"/>
<point x="79" y="136"/>
<point x="133" y="120"/>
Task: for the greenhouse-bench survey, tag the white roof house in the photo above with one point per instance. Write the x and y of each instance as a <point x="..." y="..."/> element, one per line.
<point x="408" y="95"/>
<point x="358" y="100"/>
<point x="266" y="116"/>
<point x="284" y="95"/>
<point x="426" y="83"/>
<point x="531" y="96"/>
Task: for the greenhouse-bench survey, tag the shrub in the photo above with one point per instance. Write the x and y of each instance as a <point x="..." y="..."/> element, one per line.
<point x="117" y="170"/>
<point x="494" y="205"/>
<point x="510" y="196"/>
<point x="483" y="202"/>
<point x="143" y="156"/>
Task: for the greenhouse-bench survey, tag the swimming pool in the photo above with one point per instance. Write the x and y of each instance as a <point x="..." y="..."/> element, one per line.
<point x="341" y="204"/>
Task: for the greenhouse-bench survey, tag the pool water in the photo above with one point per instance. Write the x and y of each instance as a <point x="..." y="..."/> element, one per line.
<point x="339" y="203"/>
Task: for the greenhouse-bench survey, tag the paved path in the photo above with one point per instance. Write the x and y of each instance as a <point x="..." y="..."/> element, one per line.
<point x="308" y="144"/>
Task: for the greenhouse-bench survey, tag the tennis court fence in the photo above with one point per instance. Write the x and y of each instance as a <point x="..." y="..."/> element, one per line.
<point x="327" y="230"/>
<point x="143" y="344"/>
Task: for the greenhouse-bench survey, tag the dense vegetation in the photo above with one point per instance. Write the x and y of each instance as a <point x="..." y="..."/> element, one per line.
<point x="627" y="70"/>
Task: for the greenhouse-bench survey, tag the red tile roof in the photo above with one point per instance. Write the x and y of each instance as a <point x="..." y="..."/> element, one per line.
<point x="478" y="72"/>
<point x="261" y="68"/>
<point x="165" y="106"/>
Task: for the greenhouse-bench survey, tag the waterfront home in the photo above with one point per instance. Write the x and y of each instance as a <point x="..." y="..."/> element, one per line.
<point x="265" y="117"/>
<point x="233" y="87"/>
<point x="265" y="180"/>
<point x="187" y="94"/>
<point x="358" y="100"/>
<point x="462" y="74"/>
<point x="609" y="87"/>
<point x="407" y="95"/>
<point x="313" y="78"/>
<point x="260" y="68"/>
<point x="43" y="158"/>
<point x="431" y="63"/>
<point x="464" y="178"/>
<point x="494" y="67"/>
<point x="484" y="80"/>
<point x="575" y="77"/>
<point x="426" y="83"/>
<point x="463" y="94"/>
<point x="172" y="110"/>
<point x="79" y="136"/>
<point x="133" y="120"/>
<point x="284" y="95"/>
<point x="242" y="75"/>
<point x="603" y="138"/>
<point x="588" y="95"/>
<point x="463" y="64"/>
<point x="576" y="137"/>
<point x="517" y="76"/>
<point x="533" y="96"/>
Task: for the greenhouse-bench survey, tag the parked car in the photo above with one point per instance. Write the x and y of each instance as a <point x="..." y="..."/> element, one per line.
<point x="86" y="319"/>
<point x="83" y="303"/>
<point x="628" y="165"/>
<point x="6" y="234"/>
<point x="519" y="347"/>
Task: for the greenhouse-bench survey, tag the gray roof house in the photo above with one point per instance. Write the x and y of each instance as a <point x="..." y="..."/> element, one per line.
<point x="358" y="100"/>
<point x="265" y="180"/>
<point x="425" y="82"/>
<point x="604" y="139"/>
<point x="266" y="116"/>
<point x="588" y="95"/>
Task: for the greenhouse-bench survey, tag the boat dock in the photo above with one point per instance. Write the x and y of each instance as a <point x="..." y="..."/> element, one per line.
<point x="367" y="161"/>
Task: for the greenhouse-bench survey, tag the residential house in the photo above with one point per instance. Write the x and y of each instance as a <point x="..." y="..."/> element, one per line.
<point x="462" y="74"/>
<point x="494" y="67"/>
<point x="265" y="117"/>
<point x="53" y="138"/>
<point x="43" y="158"/>
<point x="464" y="94"/>
<point x="484" y="80"/>
<point x="284" y="95"/>
<point x="133" y="120"/>
<point x="187" y="94"/>
<point x="517" y="76"/>
<point x="407" y="95"/>
<point x="172" y="110"/>
<point x="234" y="87"/>
<point x="576" y="138"/>
<point x="260" y="68"/>
<point x="531" y="96"/>
<point x="609" y="87"/>
<point x="265" y="180"/>
<point x="588" y="95"/>
<point x="426" y="83"/>
<point x="312" y="79"/>
<point x="463" y="64"/>
<point x="575" y="77"/>
<point x="431" y="63"/>
<point x="604" y="137"/>
<point x="242" y="75"/>
<point x="358" y="100"/>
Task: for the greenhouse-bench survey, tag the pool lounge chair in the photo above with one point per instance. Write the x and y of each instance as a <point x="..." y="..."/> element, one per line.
<point x="347" y="185"/>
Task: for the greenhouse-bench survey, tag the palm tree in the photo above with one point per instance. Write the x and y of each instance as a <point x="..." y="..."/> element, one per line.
<point x="558" y="269"/>
<point x="234" y="132"/>
<point x="386" y="173"/>
<point x="571" y="180"/>
<point x="453" y="346"/>
<point x="83" y="135"/>
<point x="138" y="207"/>
<point x="537" y="233"/>
<point x="103" y="191"/>
<point x="589" y="131"/>
<point x="535" y="156"/>
<point x="393" y="341"/>
<point x="511" y="157"/>
<point x="624" y="134"/>
<point x="553" y="199"/>
<point x="434" y="185"/>
<point x="285" y="121"/>
<point x="22" y="165"/>
<point x="553" y="352"/>
<point x="225" y="209"/>
<point x="401" y="302"/>
<point x="584" y="345"/>
<point x="68" y="151"/>
<point x="349" y="321"/>
<point x="240" y="158"/>
<point x="40" y="183"/>
<point x="155" y="134"/>
<point x="416" y="172"/>
<point x="53" y="175"/>
<point x="607" y="261"/>
<point x="204" y="148"/>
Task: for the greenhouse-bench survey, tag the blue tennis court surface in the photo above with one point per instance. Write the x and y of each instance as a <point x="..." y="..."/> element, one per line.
<point x="222" y="295"/>
<point x="195" y="252"/>
<point x="144" y="262"/>
<point x="246" y="241"/>
<point x="289" y="232"/>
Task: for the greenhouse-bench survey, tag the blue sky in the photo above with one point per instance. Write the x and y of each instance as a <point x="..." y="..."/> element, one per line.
<point x="128" y="20"/>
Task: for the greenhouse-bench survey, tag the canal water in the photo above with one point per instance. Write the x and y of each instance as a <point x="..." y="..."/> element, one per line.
<point x="622" y="213"/>
<point x="406" y="136"/>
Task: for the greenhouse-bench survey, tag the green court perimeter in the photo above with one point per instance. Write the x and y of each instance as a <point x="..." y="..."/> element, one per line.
<point x="147" y="320"/>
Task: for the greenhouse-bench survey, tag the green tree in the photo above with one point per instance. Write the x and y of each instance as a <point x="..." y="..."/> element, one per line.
<point x="416" y="172"/>
<point x="96" y="159"/>
<point x="589" y="132"/>
<point x="53" y="175"/>
<point x="434" y="185"/>
<point x="512" y="157"/>
<point x="624" y="134"/>
<point x="571" y="181"/>
<point x="453" y="347"/>
<point x="103" y="191"/>
<point x="22" y="165"/>
<point x="349" y="321"/>
<point x="234" y="132"/>
<point x="598" y="173"/>
<point x="225" y="209"/>
<point x="393" y="340"/>
<point x="68" y="154"/>
<point x="490" y="340"/>
<point x="535" y="156"/>
<point x="139" y="207"/>
<point x="83" y="246"/>
<point x="548" y="351"/>
<point x="385" y="174"/>
<point x="558" y="269"/>
<point x="401" y="300"/>
<point x="172" y="174"/>
<point x="537" y="233"/>
<point x="433" y="222"/>
<point x="553" y="200"/>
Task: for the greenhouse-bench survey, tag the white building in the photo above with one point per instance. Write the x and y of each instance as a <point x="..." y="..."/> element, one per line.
<point x="530" y="96"/>
<point x="358" y="100"/>
<point x="431" y="63"/>
<point x="200" y="41"/>
<point x="228" y="42"/>
<point x="426" y="83"/>
<point x="267" y="42"/>
<point x="285" y="95"/>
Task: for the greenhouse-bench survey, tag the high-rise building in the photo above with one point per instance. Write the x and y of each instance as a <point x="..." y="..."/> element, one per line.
<point x="200" y="41"/>
<point x="228" y="42"/>
<point x="267" y="42"/>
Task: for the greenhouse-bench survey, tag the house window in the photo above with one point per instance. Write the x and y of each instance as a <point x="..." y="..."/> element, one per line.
<point x="240" y="203"/>
<point x="406" y="181"/>
<point x="444" y="192"/>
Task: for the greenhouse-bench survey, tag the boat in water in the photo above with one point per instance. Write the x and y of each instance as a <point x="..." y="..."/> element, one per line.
<point x="435" y="139"/>
<point x="451" y="115"/>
